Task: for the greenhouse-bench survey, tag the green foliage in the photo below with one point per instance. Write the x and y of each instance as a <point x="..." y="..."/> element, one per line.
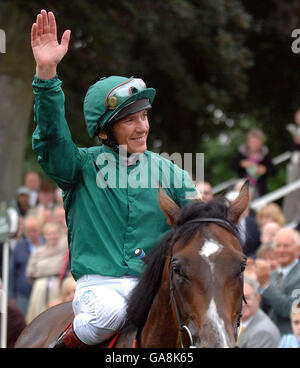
<point x="219" y="151"/>
<point x="273" y="80"/>
<point x="216" y="164"/>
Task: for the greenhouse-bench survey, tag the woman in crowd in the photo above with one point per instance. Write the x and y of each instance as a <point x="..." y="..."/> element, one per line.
<point x="43" y="270"/>
<point x="270" y="213"/>
<point x="253" y="162"/>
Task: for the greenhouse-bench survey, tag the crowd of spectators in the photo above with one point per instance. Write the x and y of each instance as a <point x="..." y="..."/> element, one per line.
<point x="39" y="274"/>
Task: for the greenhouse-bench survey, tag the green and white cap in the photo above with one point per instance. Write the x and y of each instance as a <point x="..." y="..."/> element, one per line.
<point x="113" y="98"/>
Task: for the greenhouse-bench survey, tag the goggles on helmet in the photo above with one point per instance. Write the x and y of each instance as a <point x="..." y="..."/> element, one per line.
<point x="121" y="92"/>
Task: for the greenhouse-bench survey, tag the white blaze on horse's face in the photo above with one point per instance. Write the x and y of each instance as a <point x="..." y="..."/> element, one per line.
<point x="209" y="251"/>
<point x="218" y="323"/>
<point x="209" y="248"/>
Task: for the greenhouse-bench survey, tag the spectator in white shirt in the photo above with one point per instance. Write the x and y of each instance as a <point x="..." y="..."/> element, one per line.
<point x="32" y="181"/>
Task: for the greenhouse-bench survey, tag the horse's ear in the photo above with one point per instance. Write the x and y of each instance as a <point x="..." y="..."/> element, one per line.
<point x="168" y="206"/>
<point x="240" y="204"/>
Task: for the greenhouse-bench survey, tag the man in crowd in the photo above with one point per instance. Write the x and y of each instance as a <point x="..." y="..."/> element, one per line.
<point x="278" y="288"/>
<point x="257" y="329"/>
<point x="32" y="182"/>
<point x="20" y="287"/>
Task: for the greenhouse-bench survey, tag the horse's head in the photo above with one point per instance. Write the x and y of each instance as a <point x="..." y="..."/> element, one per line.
<point x="204" y="270"/>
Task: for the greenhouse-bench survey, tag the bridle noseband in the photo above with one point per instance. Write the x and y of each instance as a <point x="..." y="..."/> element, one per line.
<point x="182" y="327"/>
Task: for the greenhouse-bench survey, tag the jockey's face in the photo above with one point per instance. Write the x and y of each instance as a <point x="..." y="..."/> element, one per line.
<point x="132" y="131"/>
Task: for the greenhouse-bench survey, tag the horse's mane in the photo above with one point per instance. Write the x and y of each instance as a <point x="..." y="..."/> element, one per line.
<point x="142" y="296"/>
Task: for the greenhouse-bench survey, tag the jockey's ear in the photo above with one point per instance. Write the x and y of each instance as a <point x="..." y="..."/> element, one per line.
<point x="168" y="206"/>
<point x="240" y="204"/>
<point x="102" y="135"/>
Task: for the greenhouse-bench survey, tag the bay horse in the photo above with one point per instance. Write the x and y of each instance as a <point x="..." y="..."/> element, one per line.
<point x="191" y="292"/>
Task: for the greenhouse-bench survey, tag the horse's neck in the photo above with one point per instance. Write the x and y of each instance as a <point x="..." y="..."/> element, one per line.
<point x="160" y="330"/>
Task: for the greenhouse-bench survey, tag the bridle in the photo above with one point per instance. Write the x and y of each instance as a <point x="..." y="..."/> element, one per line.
<point x="183" y="327"/>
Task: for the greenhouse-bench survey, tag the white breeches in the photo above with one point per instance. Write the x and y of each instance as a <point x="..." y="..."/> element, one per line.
<point x="99" y="306"/>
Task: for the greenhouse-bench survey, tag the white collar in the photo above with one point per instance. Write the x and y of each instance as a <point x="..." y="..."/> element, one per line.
<point x="247" y="322"/>
<point x="285" y="270"/>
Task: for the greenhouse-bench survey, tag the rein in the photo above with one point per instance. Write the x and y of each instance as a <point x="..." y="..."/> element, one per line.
<point x="182" y="327"/>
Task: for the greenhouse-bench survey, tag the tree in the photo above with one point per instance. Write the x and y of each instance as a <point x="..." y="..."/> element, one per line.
<point x="16" y="70"/>
<point x="274" y="88"/>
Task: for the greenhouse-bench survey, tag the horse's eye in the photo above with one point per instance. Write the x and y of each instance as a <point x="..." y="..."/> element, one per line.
<point x="243" y="265"/>
<point x="177" y="269"/>
<point x="239" y="274"/>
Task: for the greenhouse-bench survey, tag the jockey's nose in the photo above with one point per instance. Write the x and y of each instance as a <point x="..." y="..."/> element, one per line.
<point x="142" y="124"/>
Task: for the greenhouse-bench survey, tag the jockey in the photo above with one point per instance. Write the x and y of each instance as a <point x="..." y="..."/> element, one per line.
<point x="110" y="190"/>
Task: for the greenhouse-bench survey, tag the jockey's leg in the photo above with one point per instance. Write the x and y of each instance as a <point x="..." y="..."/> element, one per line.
<point x="99" y="313"/>
<point x="102" y="313"/>
<point x="68" y="339"/>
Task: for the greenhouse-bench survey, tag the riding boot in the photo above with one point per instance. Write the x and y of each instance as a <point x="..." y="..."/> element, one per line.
<point x="68" y="339"/>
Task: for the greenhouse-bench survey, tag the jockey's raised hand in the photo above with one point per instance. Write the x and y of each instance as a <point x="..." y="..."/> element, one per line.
<point x="46" y="49"/>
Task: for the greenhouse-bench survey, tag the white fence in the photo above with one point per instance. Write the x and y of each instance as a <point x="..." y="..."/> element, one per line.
<point x="276" y="194"/>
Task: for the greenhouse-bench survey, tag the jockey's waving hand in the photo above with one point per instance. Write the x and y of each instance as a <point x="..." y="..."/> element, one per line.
<point x="46" y="49"/>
